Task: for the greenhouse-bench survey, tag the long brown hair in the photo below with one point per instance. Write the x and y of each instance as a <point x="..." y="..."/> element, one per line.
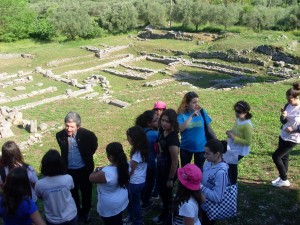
<point x="187" y="98"/>
<point x="11" y="155"/>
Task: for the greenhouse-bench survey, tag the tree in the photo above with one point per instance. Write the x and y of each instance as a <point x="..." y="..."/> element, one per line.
<point x="230" y="14"/>
<point x="15" y="19"/>
<point x="292" y="18"/>
<point x="71" y="19"/>
<point x="119" y="18"/>
<point x="259" y="18"/>
<point x="151" y="12"/>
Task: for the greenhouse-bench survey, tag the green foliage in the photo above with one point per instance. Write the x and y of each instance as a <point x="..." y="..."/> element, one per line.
<point x="230" y="15"/>
<point x="259" y="18"/>
<point x="292" y="19"/>
<point x="15" y="20"/>
<point x="119" y="18"/>
<point x="42" y="29"/>
<point x="296" y="33"/>
<point x="71" y="19"/>
<point x="95" y="32"/>
<point x="151" y="12"/>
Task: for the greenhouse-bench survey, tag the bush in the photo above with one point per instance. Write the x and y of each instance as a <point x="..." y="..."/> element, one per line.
<point x="296" y="33"/>
<point x="212" y="29"/>
<point x="8" y="37"/>
<point x="95" y="32"/>
<point x="41" y="29"/>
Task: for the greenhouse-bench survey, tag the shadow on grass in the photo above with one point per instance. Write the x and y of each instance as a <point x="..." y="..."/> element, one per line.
<point x="206" y="79"/>
<point x="258" y="204"/>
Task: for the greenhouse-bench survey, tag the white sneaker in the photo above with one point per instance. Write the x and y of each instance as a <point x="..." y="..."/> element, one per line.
<point x="276" y="180"/>
<point x="281" y="183"/>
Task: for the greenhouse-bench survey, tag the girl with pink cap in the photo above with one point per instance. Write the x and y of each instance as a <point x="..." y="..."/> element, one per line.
<point x="186" y="205"/>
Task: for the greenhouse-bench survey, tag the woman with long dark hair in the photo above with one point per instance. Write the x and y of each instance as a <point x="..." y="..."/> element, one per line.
<point x="16" y="205"/>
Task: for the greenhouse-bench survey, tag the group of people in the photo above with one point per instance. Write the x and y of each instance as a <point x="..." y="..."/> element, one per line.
<point x="152" y="168"/>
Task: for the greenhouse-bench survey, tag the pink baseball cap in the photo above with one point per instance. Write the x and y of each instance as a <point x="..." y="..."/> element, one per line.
<point x="159" y="105"/>
<point x="190" y="176"/>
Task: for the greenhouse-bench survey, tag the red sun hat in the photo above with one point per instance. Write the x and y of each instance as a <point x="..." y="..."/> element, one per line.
<point x="190" y="176"/>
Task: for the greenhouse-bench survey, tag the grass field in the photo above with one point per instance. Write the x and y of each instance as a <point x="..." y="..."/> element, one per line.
<point x="259" y="203"/>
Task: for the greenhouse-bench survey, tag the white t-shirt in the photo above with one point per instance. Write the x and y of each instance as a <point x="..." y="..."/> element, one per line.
<point x="187" y="209"/>
<point x="112" y="199"/>
<point x="59" y="204"/>
<point x="139" y="174"/>
<point x="32" y="179"/>
<point x="293" y="120"/>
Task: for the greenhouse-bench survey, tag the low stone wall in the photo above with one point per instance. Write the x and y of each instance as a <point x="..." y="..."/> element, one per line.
<point x="6" y="76"/>
<point x="69" y="94"/>
<point x="284" y="73"/>
<point x="127" y="58"/>
<point x="164" y="60"/>
<point x="235" y="68"/>
<point x="31" y="94"/>
<point x="148" y="34"/>
<point x="24" y="80"/>
<point x="226" y="57"/>
<point x="217" y="69"/>
<point x="58" y="62"/>
<point x="277" y="54"/>
<point x="129" y="74"/>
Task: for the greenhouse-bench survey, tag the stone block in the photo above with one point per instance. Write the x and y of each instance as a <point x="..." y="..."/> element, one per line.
<point x="33" y="126"/>
<point x="19" y="88"/>
<point x="119" y="103"/>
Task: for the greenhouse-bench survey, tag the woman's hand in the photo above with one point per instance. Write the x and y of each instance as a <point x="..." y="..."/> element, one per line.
<point x="195" y="113"/>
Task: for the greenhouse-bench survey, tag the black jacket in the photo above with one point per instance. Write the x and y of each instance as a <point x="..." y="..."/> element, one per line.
<point x="87" y="143"/>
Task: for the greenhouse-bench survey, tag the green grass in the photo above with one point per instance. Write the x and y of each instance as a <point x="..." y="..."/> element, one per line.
<point x="259" y="202"/>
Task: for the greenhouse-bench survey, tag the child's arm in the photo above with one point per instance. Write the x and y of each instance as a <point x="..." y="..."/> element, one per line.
<point x="98" y="176"/>
<point x="188" y="221"/>
<point x="247" y="130"/>
<point x="174" y="164"/>
<point x="133" y="165"/>
<point x="37" y="219"/>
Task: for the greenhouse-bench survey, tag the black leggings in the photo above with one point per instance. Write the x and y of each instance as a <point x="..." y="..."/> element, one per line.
<point x="233" y="171"/>
<point x="113" y="220"/>
<point x="281" y="157"/>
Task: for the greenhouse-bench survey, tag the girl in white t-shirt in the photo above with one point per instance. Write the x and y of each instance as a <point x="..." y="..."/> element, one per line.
<point x="12" y="158"/>
<point x="289" y="136"/>
<point x="55" y="190"/>
<point x="112" y="183"/>
<point x="139" y="153"/>
<point x="188" y="199"/>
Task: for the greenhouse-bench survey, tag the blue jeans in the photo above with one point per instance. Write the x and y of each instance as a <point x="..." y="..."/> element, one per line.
<point x="150" y="182"/>
<point x="134" y="206"/>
